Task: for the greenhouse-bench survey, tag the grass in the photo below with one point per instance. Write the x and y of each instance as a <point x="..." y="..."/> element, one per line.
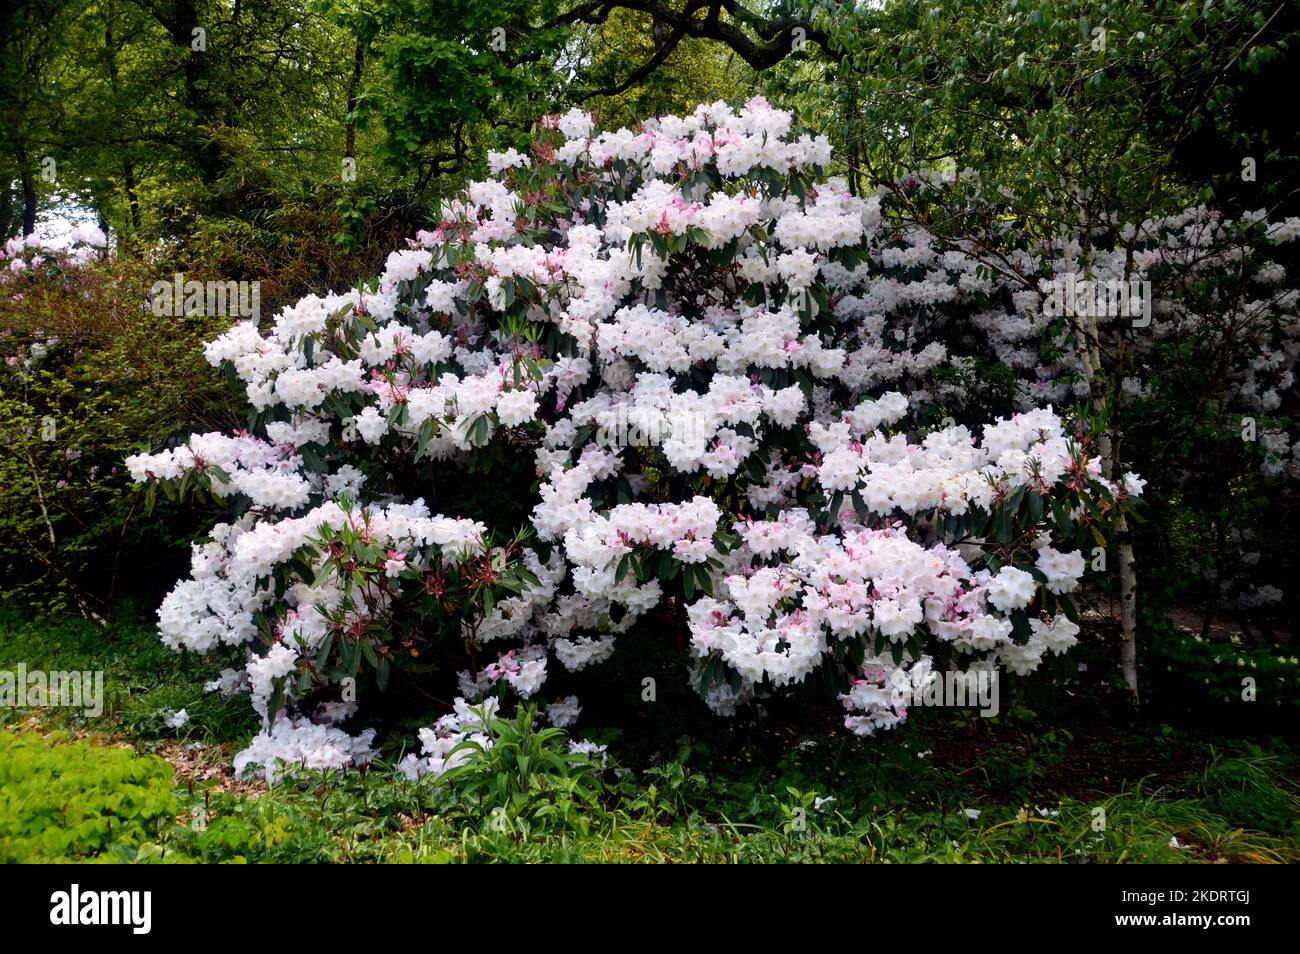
<point x="144" y="681"/>
<point x="1070" y="787"/>
<point x="676" y="814"/>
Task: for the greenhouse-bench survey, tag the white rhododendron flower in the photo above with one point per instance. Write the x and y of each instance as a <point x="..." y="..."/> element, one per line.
<point x="306" y="744"/>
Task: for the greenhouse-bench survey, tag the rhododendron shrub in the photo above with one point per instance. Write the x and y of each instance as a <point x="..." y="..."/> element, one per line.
<point x="679" y="323"/>
<point x="24" y="253"/>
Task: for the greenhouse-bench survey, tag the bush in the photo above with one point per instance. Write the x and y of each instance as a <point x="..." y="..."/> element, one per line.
<point x="295" y="241"/>
<point x="69" y="801"/>
<point x="519" y="770"/>
<point x="680" y="338"/>
<point x="1221" y="669"/>
<point x="88" y="376"/>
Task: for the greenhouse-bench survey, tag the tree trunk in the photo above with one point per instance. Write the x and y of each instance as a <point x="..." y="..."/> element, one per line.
<point x="180" y="20"/>
<point x="1097" y="374"/>
<point x="1127" y="580"/>
<point x="1128" y="611"/>
<point x="128" y="166"/>
<point x="29" y="189"/>
<point x="132" y="195"/>
<point x="29" y="203"/>
<point x="354" y="88"/>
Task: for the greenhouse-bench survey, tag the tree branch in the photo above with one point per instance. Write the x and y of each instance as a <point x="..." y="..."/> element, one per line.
<point x="771" y="42"/>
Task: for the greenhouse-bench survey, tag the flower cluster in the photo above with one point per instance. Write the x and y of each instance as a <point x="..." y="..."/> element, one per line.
<point x="25" y="252"/>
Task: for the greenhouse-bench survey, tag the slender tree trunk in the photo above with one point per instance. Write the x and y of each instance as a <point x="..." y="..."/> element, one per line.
<point x="1096" y="374"/>
<point x="1128" y="610"/>
<point x="132" y="195"/>
<point x="354" y="89"/>
<point x="29" y="189"/>
<point x="128" y="166"/>
<point x="29" y="203"/>
<point x="1128" y="584"/>
<point x="1127" y="572"/>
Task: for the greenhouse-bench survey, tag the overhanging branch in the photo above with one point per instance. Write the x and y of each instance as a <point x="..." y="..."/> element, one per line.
<point x="760" y="41"/>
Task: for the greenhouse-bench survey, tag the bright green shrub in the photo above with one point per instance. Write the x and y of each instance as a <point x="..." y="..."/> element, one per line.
<point x="70" y="801"/>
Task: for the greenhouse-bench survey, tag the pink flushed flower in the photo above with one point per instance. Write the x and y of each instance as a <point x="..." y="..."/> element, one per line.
<point x="505" y="665"/>
<point x="690" y="550"/>
<point x="622" y="543"/>
<point x="395" y="563"/>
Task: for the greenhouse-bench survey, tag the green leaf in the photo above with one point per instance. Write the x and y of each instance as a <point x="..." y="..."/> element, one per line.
<point x="624" y="565"/>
